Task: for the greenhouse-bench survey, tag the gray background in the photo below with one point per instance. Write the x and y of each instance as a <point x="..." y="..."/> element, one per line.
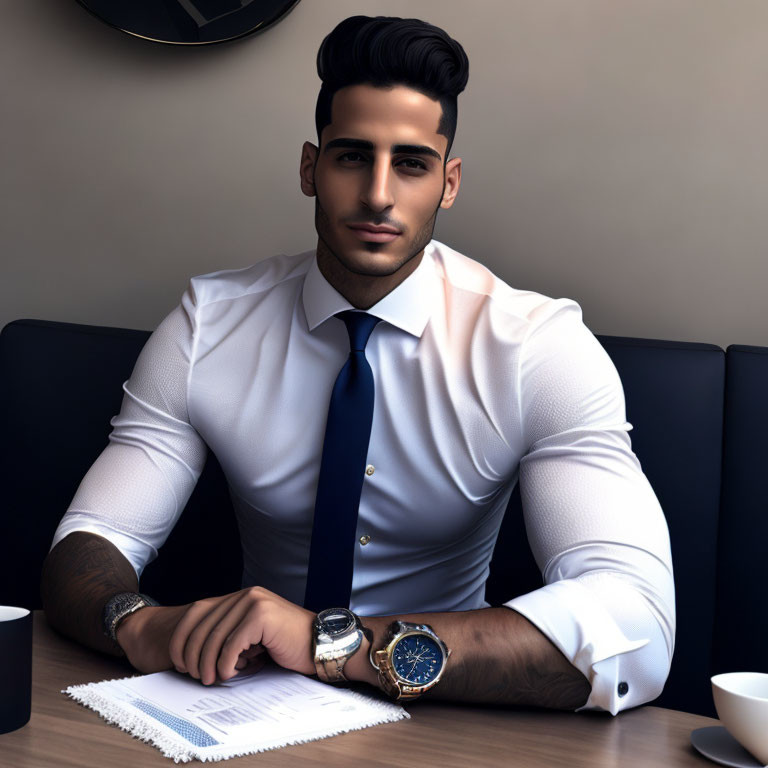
<point x="614" y="153"/>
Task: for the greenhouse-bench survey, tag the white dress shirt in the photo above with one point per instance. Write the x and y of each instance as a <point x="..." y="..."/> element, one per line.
<point x="477" y="385"/>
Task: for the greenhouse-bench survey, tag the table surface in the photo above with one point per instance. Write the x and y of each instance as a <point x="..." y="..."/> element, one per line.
<point x="62" y="732"/>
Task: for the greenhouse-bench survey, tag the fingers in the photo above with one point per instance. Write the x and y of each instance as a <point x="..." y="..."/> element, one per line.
<point x="248" y="661"/>
<point x="247" y="637"/>
<point x="247" y="665"/>
<point x="232" y="634"/>
<point x="255" y="664"/>
<point x="248" y="654"/>
<point x="214" y="635"/>
<point x="192" y="629"/>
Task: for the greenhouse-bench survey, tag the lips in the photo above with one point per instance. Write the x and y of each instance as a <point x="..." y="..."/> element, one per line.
<point x="374" y="233"/>
<point x="376" y="228"/>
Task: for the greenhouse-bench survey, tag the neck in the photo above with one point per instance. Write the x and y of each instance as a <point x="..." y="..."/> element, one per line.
<point x="361" y="291"/>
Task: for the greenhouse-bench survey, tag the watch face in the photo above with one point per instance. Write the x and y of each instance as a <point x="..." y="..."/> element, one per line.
<point x="335" y="621"/>
<point x="417" y="658"/>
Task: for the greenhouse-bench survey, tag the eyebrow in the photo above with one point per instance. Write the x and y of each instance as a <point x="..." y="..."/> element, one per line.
<point x="397" y="149"/>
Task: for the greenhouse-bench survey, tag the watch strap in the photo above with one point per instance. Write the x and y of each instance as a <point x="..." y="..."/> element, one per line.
<point x="394" y="688"/>
<point x="331" y="670"/>
<point x="121" y="605"/>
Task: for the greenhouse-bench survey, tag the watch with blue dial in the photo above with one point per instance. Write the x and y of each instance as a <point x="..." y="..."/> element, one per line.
<point x="412" y="661"/>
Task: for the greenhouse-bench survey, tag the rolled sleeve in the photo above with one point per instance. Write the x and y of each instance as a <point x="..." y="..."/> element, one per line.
<point x="137" y="488"/>
<point x="138" y="552"/>
<point x="623" y="672"/>
<point x="594" y="524"/>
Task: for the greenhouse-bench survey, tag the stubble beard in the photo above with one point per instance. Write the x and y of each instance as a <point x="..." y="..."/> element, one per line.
<point x="415" y="247"/>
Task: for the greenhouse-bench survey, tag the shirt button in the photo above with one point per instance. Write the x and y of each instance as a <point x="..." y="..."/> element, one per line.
<point x="364" y="539"/>
<point x="369" y="470"/>
<point x="623" y="689"/>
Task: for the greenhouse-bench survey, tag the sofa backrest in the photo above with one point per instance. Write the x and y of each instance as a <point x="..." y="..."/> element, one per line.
<point x="741" y="630"/>
<point x="674" y="397"/>
<point x="60" y="384"/>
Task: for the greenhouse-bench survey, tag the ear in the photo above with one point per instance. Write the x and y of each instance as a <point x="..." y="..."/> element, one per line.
<point x="307" y="168"/>
<point x="452" y="182"/>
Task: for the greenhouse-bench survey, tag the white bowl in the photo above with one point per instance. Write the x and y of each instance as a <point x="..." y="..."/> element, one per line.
<point x="741" y="701"/>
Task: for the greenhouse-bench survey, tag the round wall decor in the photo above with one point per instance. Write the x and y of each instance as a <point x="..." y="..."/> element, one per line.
<point x="190" y="22"/>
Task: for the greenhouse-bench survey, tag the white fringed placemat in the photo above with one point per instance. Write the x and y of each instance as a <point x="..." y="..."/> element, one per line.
<point x="272" y="708"/>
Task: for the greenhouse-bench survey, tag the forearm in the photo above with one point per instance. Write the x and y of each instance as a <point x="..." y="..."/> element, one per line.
<point x="497" y="656"/>
<point x="79" y="575"/>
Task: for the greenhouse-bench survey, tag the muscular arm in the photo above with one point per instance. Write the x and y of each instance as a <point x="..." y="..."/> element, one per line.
<point x="79" y="575"/>
<point x="497" y="656"/>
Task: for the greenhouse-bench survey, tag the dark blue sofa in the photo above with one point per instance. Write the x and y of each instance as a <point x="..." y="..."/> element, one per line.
<point x="700" y="425"/>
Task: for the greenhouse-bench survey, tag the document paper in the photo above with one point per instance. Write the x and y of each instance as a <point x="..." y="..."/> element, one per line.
<point x="271" y="708"/>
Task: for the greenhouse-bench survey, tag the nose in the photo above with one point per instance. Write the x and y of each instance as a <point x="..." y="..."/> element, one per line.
<point x="377" y="194"/>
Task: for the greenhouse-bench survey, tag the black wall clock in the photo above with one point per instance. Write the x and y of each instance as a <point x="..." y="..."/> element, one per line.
<point x="190" y="22"/>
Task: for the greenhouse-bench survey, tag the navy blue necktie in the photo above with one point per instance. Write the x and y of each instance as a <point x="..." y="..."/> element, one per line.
<point x="342" y="471"/>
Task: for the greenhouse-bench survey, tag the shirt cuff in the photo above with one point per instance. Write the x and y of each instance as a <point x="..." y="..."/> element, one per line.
<point x="585" y="633"/>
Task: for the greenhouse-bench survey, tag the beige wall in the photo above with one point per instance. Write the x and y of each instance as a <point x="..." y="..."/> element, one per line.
<point x="615" y="153"/>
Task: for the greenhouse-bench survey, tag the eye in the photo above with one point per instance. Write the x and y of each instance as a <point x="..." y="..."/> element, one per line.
<point x="411" y="163"/>
<point x="353" y="157"/>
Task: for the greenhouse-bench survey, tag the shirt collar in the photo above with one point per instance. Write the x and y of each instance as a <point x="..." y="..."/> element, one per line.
<point x="407" y="307"/>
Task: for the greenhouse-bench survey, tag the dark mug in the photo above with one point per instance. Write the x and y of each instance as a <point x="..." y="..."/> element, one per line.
<point x="15" y="667"/>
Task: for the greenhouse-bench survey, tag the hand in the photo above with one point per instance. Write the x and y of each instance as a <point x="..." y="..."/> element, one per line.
<point x="215" y="635"/>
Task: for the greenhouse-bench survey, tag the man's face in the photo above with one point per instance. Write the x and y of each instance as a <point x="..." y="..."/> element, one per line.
<point x="378" y="177"/>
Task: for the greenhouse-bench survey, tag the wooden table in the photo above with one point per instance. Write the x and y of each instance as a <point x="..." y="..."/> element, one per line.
<point x="63" y="732"/>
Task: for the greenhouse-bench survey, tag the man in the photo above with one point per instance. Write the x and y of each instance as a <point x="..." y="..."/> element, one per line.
<point x="475" y="385"/>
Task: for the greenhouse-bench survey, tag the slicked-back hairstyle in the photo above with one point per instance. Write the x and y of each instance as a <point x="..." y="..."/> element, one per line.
<point x="384" y="51"/>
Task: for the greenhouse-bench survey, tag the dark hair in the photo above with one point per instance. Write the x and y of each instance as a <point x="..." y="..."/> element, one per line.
<point x="386" y="50"/>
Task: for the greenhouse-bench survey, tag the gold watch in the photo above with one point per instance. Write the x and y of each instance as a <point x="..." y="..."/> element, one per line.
<point x="412" y="661"/>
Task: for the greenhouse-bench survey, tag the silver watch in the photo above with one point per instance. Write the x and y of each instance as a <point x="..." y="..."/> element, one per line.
<point x="338" y="633"/>
<point x="120" y="606"/>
